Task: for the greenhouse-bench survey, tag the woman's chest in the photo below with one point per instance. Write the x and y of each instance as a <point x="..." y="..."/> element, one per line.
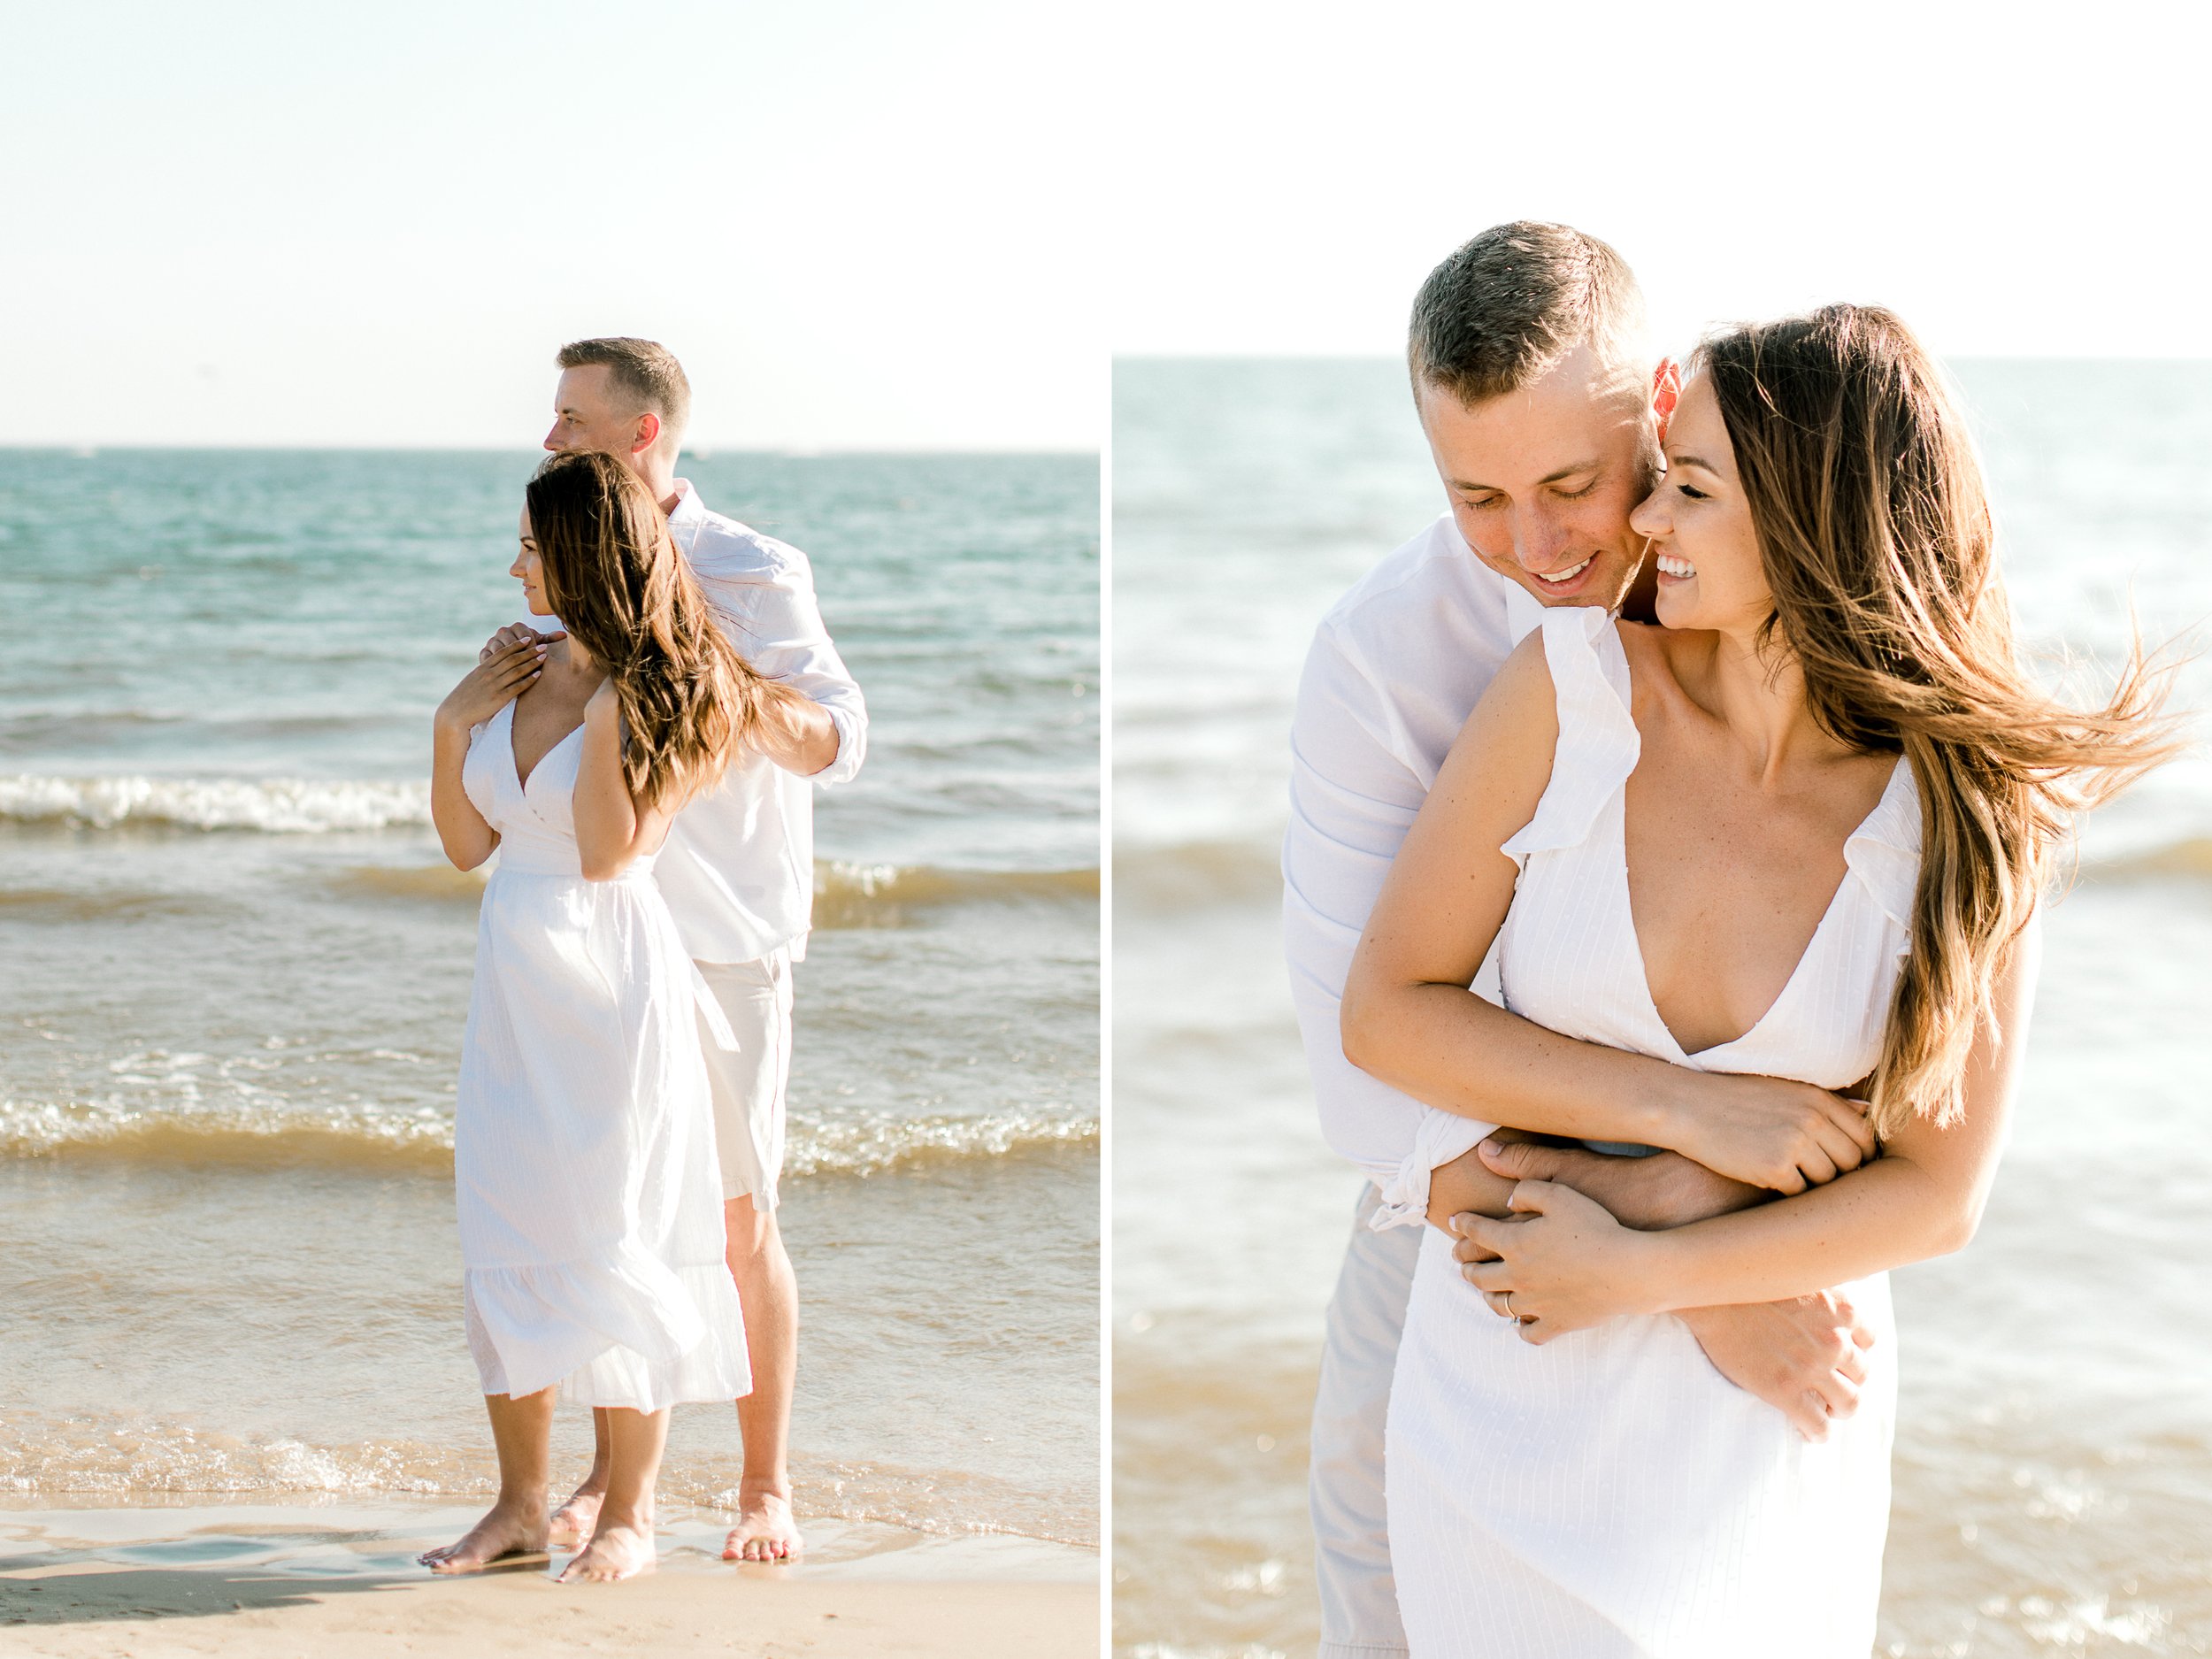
<point x="543" y="717"/>
<point x="1729" y="882"/>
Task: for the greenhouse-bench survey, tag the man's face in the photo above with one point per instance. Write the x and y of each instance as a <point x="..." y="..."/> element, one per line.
<point x="586" y="416"/>
<point x="1541" y="481"/>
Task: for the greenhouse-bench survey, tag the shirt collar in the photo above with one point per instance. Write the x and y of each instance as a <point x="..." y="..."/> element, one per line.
<point x="1524" y="612"/>
<point x="688" y="508"/>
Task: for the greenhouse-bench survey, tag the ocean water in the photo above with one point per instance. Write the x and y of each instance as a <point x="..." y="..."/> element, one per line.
<point x="2053" y="1464"/>
<point x="235" y="969"/>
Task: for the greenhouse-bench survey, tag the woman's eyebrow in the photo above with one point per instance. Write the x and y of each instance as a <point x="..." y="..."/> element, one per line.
<point x="1697" y="460"/>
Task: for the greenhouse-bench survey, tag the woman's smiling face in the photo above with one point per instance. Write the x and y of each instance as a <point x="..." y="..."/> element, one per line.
<point x="1700" y="524"/>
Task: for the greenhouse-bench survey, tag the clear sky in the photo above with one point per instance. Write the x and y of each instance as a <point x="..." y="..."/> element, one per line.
<point x="2019" y="179"/>
<point x="859" y="225"/>
<point x="923" y="223"/>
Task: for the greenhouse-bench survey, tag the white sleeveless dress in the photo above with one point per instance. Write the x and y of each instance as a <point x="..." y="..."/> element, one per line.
<point x="1609" y="1494"/>
<point x="583" y="1147"/>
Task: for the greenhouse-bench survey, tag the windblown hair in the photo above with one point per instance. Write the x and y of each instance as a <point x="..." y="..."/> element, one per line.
<point x="1509" y="304"/>
<point x="1877" y="543"/>
<point x="689" y="701"/>
<point x="644" y="374"/>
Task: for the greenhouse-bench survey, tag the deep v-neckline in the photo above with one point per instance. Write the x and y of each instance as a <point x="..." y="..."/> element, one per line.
<point x="1797" y="968"/>
<point x="514" y="760"/>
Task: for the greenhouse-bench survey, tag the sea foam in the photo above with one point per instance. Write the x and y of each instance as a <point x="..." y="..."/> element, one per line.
<point x="272" y="806"/>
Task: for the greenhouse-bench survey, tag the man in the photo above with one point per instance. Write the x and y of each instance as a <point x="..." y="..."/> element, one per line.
<point x="738" y="871"/>
<point x="1543" y="408"/>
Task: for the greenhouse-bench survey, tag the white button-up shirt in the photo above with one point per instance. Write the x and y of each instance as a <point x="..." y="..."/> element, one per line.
<point x="738" y="871"/>
<point x="1394" y="670"/>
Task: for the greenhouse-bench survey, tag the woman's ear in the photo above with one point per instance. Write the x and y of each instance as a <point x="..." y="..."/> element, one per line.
<point x="1666" y="392"/>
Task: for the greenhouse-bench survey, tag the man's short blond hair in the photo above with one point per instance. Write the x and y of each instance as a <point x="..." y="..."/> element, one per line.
<point x="644" y="374"/>
<point x="1506" y="306"/>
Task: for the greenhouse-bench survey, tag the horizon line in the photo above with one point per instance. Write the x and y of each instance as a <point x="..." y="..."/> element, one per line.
<point x="712" y="452"/>
<point x="1296" y="354"/>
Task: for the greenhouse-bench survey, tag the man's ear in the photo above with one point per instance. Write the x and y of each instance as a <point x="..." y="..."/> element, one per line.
<point x="646" y="434"/>
<point x="1666" y="392"/>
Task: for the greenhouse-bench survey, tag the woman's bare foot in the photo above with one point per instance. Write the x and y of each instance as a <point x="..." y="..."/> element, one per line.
<point x="507" y="1529"/>
<point x="765" y="1529"/>
<point x="616" y="1551"/>
<point x="573" y="1521"/>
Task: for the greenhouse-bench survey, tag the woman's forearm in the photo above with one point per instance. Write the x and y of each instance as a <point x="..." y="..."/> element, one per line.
<point x="1463" y="1054"/>
<point x="462" y="831"/>
<point x="1889" y="1214"/>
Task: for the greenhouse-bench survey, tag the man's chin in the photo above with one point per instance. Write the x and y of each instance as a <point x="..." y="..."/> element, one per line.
<point x="1597" y="584"/>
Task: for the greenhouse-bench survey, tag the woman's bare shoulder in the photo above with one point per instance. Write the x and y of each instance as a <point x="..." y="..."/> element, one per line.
<point x="1520" y="697"/>
<point x="1508" y="740"/>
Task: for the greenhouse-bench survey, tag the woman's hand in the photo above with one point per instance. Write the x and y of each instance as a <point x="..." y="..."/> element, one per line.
<point x="494" y="683"/>
<point x="1563" y="1264"/>
<point x="1768" y="1130"/>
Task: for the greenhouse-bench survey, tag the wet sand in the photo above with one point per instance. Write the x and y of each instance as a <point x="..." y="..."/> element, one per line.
<point x="259" y="1581"/>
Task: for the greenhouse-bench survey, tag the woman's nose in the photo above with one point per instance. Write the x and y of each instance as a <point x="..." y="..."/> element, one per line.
<point x="1649" y="516"/>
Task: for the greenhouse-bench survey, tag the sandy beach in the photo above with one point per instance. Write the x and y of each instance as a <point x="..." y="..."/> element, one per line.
<point x="257" y="1582"/>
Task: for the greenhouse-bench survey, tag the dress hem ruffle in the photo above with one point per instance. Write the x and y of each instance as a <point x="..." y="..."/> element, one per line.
<point x="638" y="1334"/>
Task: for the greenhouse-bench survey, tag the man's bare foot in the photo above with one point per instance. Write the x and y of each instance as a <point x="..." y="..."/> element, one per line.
<point x="765" y="1529"/>
<point x="573" y="1521"/>
<point x="615" y="1552"/>
<point x="506" y="1530"/>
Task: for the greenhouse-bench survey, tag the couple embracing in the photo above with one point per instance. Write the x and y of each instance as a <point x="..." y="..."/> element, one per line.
<point x="642" y="764"/>
<point x="1669" y="825"/>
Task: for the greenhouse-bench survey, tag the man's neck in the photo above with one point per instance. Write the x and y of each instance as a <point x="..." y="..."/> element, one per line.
<point x="659" y="476"/>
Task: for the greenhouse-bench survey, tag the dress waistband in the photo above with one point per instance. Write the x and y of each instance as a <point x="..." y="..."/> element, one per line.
<point x="562" y="861"/>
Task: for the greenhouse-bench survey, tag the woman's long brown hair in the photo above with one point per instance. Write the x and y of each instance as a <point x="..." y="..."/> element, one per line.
<point x="1877" y="542"/>
<point x="613" y="576"/>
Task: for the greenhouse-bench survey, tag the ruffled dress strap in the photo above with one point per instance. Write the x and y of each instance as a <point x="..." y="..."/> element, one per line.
<point x="1597" y="743"/>
<point x="1883" y="854"/>
<point x="1597" y="748"/>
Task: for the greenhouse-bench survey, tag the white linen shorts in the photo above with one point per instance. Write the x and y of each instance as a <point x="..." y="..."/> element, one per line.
<point x="749" y="1083"/>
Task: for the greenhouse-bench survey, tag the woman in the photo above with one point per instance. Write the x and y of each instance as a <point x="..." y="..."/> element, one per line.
<point x="590" y="1210"/>
<point x="1800" y="829"/>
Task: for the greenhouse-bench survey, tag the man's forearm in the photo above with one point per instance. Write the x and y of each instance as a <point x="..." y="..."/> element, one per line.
<point x="1464" y="1184"/>
<point x="1648" y="1194"/>
<point x="796" y="732"/>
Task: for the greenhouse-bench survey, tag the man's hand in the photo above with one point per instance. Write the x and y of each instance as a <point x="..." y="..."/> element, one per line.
<point x="515" y="633"/>
<point x="1664" y="1190"/>
<point x="1805" y="1358"/>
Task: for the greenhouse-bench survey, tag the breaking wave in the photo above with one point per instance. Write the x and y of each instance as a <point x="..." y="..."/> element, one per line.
<point x="273" y="1136"/>
<point x="845" y="894"/>
<point x="271" y="806"/>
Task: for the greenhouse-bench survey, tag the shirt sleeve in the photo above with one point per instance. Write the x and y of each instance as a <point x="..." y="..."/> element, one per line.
<point x="1356" y="788"/>
<point x="773" y="618"/>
